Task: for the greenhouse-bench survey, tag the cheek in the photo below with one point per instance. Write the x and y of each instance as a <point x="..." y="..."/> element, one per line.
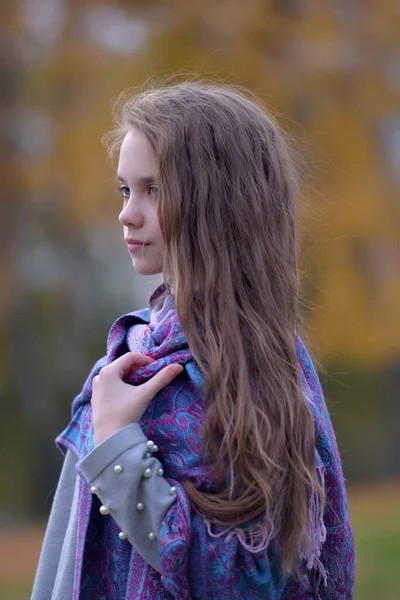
<point x="161" y="238"/>
<point x="157" y="228"/>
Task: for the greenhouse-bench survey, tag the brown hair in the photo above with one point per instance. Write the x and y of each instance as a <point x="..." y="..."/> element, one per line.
<point x="228" y="188"/>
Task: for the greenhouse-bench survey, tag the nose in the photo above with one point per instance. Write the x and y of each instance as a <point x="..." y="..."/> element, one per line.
<point x="130" y="215"/>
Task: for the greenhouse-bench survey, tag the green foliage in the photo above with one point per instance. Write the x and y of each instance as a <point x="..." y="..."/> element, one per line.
<point x="378" y="559"/>
<point x="376" y="521"/>
<point x="16" y="483"/>
<point x="359" y="420"/>
<point x="18" y="590"/>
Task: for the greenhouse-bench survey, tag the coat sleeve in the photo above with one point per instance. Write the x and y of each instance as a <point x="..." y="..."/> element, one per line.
<point x="128" y="479"/>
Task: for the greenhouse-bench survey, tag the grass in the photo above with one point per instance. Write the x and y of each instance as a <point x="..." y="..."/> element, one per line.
<point x="375" y="513"/>
<point x="15" y="591"/>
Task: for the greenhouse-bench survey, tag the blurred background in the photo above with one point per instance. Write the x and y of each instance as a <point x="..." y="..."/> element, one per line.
<point x="330" y="72"/>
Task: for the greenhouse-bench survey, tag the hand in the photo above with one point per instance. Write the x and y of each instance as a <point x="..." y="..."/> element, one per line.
<point x="116" y="403"/>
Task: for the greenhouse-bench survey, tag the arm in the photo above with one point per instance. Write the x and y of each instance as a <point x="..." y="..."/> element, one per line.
<point x="117" y="468"/>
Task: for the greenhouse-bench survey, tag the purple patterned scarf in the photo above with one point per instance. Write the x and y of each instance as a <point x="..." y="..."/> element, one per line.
<point x="199" y="560"/>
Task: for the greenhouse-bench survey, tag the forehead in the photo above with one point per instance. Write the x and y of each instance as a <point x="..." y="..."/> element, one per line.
<point x="136" y="157"/>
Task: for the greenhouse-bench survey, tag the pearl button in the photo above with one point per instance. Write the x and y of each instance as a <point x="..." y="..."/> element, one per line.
<point x="140" y="506"/>
<point x="104" y="510"/>
<point x="118" y="469"/>
<point x="122" y="535"/>
<point x="172" y="490"/>
<point x="147" y="455"/>
<point x="94" y="489"/>
<point x="147" y="473"/>
<point x="150" y="444"/>
<point x="160" y="472"/>
<point x="152" y="536"/>
<point x="155" y="448"/>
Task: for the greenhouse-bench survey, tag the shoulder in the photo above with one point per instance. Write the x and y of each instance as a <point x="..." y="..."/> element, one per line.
<point x="86" y="392"/>
<point x="308" y="373"/>
<point x="314" y="395"/>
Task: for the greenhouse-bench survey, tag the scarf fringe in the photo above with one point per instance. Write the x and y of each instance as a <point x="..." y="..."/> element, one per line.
<point x="258" y="538"/>
<point x="254" y="539"/>
<point x="317" y="532"/>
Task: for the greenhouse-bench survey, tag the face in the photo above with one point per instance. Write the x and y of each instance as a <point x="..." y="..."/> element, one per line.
<point x="138" y="176"/>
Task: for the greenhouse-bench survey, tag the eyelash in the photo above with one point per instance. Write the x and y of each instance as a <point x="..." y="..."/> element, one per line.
<point x="121" y="190"/>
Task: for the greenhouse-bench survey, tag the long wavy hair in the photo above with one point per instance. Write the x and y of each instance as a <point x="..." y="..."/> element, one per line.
<point x="227" y="210"/>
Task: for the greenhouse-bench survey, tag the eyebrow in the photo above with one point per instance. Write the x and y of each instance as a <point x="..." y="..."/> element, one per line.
<point x="144" y="179"/>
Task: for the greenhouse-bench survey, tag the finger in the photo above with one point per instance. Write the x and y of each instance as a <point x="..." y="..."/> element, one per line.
<point x="129" y="363"/>
<point x="160" y="381"/>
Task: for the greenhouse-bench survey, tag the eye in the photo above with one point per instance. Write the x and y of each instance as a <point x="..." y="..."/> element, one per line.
<point x="123" y="191"/>
<point x="153" y="191"/>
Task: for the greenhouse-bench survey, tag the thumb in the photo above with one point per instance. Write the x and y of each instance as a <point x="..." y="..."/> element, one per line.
<point x="160" y="380"/>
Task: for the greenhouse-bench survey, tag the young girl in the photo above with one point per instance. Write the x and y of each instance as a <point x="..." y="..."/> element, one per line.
<point x="200" y="461"/>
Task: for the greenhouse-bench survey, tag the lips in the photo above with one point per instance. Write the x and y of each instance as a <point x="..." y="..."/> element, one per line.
<point x="136" y="245"/>
<point x="133" y="241"/>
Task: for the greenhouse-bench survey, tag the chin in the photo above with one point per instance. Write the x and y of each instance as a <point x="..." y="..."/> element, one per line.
<point x="146" y="269"/>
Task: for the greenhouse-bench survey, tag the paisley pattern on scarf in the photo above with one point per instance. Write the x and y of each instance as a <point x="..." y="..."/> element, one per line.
<point x="196" y="562"/>
<point x="104" y="574"/>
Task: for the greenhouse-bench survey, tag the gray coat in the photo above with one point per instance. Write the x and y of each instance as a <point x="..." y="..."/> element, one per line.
<point x="129" y="481"/>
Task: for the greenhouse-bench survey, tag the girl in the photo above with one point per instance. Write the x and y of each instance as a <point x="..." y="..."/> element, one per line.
<point x="200" y="461"/>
